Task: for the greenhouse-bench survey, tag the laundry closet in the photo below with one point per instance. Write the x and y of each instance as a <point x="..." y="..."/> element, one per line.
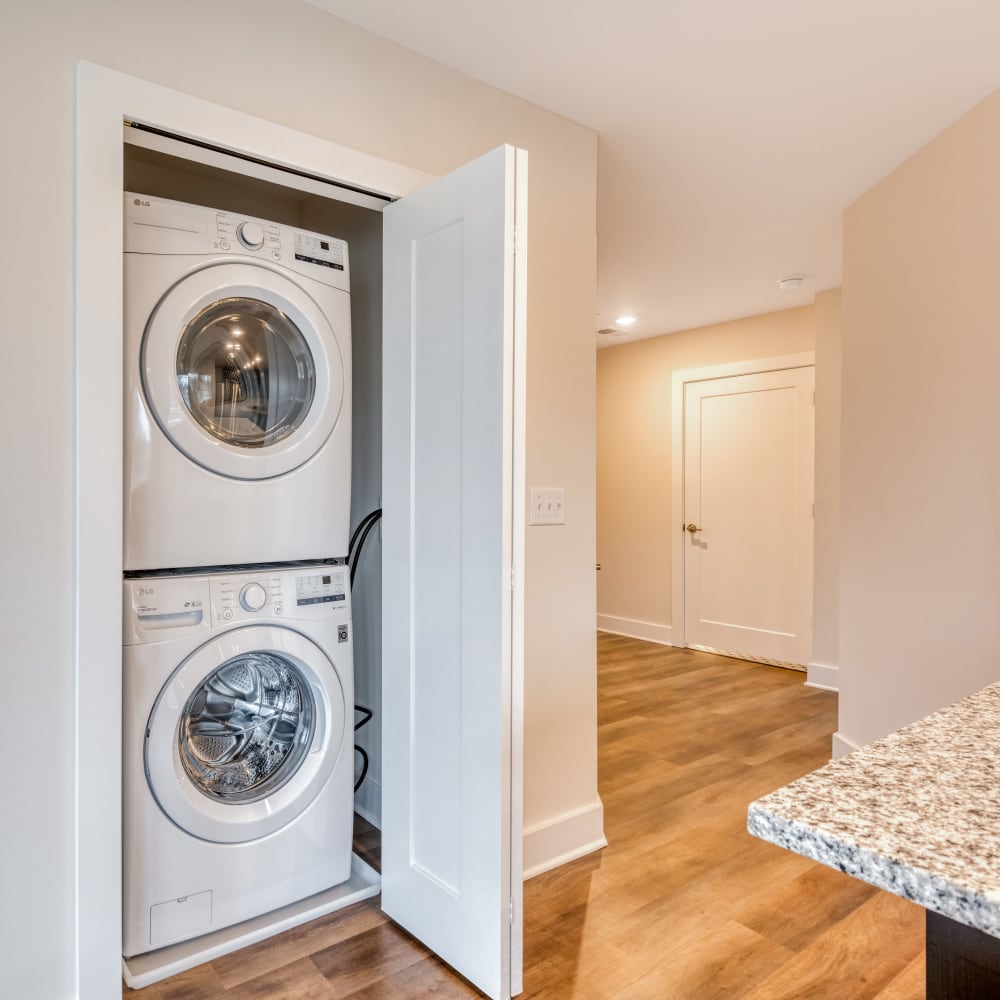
<point x="162" y="167"/>
<point x="453" y="429"/>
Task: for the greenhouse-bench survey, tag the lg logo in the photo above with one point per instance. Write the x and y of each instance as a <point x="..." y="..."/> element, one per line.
<point x="140" y="203"/>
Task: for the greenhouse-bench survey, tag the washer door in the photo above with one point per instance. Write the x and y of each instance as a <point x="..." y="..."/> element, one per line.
<point x="245" y="734"/>
<point x="242" y="370"/>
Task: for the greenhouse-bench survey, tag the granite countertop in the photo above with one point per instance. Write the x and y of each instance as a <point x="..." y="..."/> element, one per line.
<point x="916" y="813"/>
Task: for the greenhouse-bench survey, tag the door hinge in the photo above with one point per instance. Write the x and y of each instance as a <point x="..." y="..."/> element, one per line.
<point x="510" y="913"/>
<point x="517" y="241"/>
<point x="512" y="578"/>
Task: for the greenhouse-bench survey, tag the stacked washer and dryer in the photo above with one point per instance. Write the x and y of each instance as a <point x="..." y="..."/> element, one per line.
<point x="238" y="660"/>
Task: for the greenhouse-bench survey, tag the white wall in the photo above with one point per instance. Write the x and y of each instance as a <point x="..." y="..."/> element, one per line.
<point x="920" y="485"/>
<point x="315" y="74"/>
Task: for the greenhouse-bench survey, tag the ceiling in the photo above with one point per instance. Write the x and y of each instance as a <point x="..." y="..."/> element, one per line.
<point x="732" y="133"/>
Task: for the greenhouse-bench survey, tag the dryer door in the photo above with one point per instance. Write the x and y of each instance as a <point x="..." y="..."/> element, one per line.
<point x="242" y="370"/>
<point x="245" y="734"/>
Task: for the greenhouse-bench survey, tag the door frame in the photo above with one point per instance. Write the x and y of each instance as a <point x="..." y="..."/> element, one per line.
<point x="677" y="390"/>
<point x="104" y="99"/>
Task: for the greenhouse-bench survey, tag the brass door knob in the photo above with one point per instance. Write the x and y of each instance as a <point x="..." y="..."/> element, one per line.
<point x="692" y="528"/>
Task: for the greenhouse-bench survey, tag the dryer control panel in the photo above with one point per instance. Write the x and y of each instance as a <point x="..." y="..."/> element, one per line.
<point x="161" y="226"/>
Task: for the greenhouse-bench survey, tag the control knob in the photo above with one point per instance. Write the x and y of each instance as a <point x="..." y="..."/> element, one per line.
<point x="253" y="597"/>
<point x="251" y="235"/>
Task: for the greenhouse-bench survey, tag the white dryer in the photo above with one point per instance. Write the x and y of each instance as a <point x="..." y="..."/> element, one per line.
<point x="238" y="738"/>
<point x="237" y="389"/>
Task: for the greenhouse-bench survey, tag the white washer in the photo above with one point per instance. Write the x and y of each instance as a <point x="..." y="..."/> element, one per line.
<point x="238" y="747"/>
<point x="237" y="389"/>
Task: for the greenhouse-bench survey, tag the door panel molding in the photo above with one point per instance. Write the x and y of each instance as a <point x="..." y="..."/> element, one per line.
<point x="678" y="382"/>
<point x="453" y="552"/>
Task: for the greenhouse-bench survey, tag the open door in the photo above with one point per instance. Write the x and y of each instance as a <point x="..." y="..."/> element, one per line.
<point x="452" y="548"/>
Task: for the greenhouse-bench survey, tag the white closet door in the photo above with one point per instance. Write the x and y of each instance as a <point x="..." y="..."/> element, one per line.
<point x="453" y="539"/>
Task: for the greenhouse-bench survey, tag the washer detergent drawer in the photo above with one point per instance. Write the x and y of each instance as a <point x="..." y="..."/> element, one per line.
<point x="180" y="918"/>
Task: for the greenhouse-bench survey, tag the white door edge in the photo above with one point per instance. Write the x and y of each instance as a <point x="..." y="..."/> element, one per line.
<point x="517" y="525"/>
<point x="679" y="380"/>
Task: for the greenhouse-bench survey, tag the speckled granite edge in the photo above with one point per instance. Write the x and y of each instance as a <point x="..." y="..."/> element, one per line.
<point x="916" y="813"/>
<point x="928" y="890"/>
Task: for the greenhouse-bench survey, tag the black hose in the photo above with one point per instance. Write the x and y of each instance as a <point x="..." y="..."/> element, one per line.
<point x="364" y="766"/>
<point x="362" y="524"/>
<point x="361" y="544"/>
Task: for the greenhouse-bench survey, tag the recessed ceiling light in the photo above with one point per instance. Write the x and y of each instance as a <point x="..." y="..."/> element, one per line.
<point x="626" y="320"/>
<point x="789" y="283"/>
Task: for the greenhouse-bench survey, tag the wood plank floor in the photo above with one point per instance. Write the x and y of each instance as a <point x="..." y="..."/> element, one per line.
<point x="682" y="905"/>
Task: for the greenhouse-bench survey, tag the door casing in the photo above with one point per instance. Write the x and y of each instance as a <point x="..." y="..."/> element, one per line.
<point x="104" y="99"/>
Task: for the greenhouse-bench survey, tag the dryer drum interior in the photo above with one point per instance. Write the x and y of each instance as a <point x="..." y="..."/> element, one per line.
<point x="247" y="728"/>
<point x="245" y="372"/>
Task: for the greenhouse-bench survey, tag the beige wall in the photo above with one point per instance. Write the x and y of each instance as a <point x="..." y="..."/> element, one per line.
<point x="823" y="665"/>
<point x="325" y="78"/>
<point x="634" y="529"/>
<point x="920" y="567"/>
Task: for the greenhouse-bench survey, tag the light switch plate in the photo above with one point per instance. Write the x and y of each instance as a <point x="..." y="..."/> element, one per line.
<point x="546" y="505"/>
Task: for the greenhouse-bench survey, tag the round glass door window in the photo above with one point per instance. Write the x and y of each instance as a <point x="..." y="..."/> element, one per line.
<point x="247" y="729"/>
<point x="245" y="372"/>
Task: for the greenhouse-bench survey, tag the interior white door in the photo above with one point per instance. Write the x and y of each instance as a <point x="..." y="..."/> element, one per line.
<point x="453" y="501"/>
<point x="748" y="498"/>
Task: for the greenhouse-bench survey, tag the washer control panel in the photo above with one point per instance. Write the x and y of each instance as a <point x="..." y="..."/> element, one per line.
<point x="321" y="588"/>
<point x="309" y="593"/>
<point x="158" y="608"/>
<point x="238" y="598"/>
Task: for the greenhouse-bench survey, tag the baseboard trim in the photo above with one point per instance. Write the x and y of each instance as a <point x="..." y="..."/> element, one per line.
<point x="823" y="676"/>
<point x="546" y="846"/>
<point x="632" y="629"/>
<point x="565" y="838"/>
<point x="842" y="745"/>
<point x="368" y="802"/>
